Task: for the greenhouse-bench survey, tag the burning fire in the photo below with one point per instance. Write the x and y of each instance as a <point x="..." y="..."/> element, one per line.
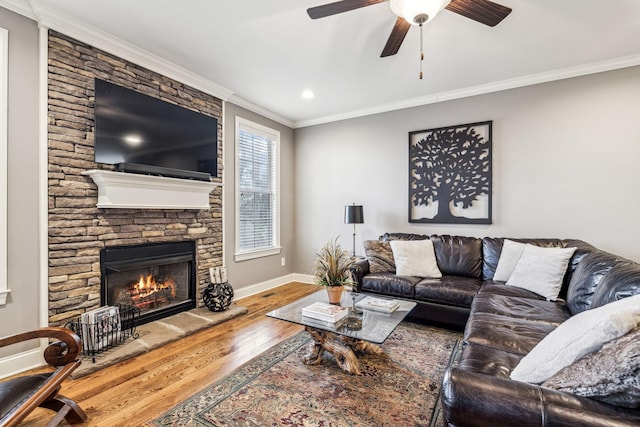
<point x="148" y="293"/>
<point x="147" y="286"/>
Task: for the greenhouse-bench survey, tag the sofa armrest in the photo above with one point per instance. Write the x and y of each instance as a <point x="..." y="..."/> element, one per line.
<point x="472" y="399"/>
<point x="360" y="268"/>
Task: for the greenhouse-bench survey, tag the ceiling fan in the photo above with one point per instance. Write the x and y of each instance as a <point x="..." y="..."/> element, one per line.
<point x="418" y="12"/>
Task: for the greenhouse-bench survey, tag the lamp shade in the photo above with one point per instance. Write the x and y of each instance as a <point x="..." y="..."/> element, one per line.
<point x="353" y="214"/>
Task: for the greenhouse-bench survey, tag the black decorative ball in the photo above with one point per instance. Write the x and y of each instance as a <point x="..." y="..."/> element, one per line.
<point x="218" y="296"/>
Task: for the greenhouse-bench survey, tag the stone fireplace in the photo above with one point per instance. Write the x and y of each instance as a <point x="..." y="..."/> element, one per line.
<point x="78" y="230"/>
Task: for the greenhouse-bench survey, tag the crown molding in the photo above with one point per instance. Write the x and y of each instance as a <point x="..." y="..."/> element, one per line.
<point x="102" y="40"/>
<point x="241" y="102"/>
<point x="48" y="18"/>
<point x="20" y="7"/>
<point x="532" y="79"/>
<point x="97" y="38"/>
<point x="125" y="50"/>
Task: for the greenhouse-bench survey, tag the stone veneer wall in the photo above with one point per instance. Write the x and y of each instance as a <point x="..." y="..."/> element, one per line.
<point x="77" y="229"/>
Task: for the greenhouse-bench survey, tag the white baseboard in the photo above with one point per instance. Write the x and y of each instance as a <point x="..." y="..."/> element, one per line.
<point x="272" y="283"/>
<point x="21" y="362"/>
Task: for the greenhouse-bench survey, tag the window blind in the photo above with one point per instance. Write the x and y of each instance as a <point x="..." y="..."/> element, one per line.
<point x="256" y="162"/>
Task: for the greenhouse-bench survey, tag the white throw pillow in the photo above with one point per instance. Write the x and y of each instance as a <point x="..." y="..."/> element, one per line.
<point x="509" y="257"/>
<point x="579" y="335"/>
<point x="541" y="270"/>
<point x="415" y="258"/>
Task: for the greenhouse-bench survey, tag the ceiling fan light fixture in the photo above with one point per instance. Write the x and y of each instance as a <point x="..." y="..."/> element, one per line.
<point x="418" y="12"/>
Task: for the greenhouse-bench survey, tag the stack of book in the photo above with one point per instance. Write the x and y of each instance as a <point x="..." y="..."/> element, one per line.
<point x="378" y="304"/>
<point x="325" y="312"/>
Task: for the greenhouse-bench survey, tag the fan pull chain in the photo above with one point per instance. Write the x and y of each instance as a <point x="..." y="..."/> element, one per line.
<point x="421" y="52"/>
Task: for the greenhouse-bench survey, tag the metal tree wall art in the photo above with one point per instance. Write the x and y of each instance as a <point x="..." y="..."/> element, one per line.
<point x="450" y="174"/>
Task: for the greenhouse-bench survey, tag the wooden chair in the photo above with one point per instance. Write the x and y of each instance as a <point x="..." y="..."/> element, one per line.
<point x="20" y="395"/>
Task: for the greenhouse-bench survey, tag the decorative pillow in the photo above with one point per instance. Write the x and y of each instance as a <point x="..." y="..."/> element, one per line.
<point x="610" y="375"/>
<point x="509" y="257"/>
<point x="380" y="256"/>
<point x="415" y="258"/>
<point x="578" y="335"/>
<point x="541" y="270"/>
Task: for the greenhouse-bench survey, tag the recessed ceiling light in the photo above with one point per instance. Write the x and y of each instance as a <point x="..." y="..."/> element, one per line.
<point x="307" y="94"/>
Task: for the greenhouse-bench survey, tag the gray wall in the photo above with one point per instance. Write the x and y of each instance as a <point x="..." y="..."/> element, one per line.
<point x="22" y="309"/>
<point x="255" y="271"/>
<point x="565" y="165"/>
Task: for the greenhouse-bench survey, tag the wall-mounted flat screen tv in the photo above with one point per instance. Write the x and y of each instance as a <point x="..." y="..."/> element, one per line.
<point x="153" y="135"/>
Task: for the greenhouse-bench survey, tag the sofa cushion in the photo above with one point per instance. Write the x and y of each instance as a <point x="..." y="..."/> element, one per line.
<point x="415" y="258"/>
<point x="588" y="275"/>
<point x="498" y="288"/>
<point x="491" y="249"/>
<point x="610" y="375"/>
<point x="522" y="308"/>
<point x="504" y="333"/>
<point x="458" y="256"/>
<point x="541" y="270"/>
<point x="509" y="257"/>
<point x="488" y="361"/>
<point x="390" y="284"/>
<point x="579" y="335"/>
<point x="453" y="290"/>
<point x="621" y="281"/>
<point x="380" y="256"/>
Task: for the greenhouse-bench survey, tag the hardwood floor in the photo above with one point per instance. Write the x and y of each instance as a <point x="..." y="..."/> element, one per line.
<point x="137" y="390"/>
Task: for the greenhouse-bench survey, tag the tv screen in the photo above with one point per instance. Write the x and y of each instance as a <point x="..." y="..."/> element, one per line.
<point x="131" y="127"/>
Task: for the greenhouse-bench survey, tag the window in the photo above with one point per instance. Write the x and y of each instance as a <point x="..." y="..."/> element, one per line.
<point x="257" y="190"/>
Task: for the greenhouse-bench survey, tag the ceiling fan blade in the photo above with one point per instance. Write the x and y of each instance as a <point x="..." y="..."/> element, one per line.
<point x="483" y="11"/>
<point x="339" y="7"/>
<point x="400" y="30"/>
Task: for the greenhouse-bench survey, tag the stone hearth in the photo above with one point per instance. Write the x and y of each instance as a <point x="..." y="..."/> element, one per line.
<point x="158" y="333"/>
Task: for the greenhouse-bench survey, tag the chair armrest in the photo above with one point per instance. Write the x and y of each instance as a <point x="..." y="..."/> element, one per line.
<point x="42" y="389"/>
<point x="65" y="349"/>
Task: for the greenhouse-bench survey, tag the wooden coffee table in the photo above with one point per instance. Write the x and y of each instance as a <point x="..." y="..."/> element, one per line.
<point x="343" y="340"/>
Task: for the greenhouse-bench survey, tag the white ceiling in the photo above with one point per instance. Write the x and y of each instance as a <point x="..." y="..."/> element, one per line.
<point x="265" y="53"/>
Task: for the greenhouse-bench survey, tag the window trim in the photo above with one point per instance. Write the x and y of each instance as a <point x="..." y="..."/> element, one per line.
<point x="4" y="140"/>
<point x="274" y="135"/>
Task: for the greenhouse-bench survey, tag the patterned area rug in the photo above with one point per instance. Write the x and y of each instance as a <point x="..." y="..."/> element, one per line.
<point x="399" y="388"/>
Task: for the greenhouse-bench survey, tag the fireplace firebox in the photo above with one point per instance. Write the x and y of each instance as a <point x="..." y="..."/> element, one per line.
<point x="159" y="278"/>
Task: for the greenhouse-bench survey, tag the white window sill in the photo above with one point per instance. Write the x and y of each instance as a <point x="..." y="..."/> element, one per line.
<point x="245" y="256"/>
<point x="3" y="296"/>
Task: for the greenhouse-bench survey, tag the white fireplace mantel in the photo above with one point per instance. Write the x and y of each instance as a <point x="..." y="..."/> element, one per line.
<point x="134" y="191"/>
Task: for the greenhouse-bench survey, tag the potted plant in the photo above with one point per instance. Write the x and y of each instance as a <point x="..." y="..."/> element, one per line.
<point x="332" y="269"/>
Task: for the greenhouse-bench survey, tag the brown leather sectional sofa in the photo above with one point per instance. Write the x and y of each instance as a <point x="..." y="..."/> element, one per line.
<point x="503" y="323"/>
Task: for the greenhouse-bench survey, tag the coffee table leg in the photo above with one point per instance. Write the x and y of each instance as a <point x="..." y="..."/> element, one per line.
<point x="360" y="345"/>
<point x="314" y="356"/>
<point x="341" y="347"/>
